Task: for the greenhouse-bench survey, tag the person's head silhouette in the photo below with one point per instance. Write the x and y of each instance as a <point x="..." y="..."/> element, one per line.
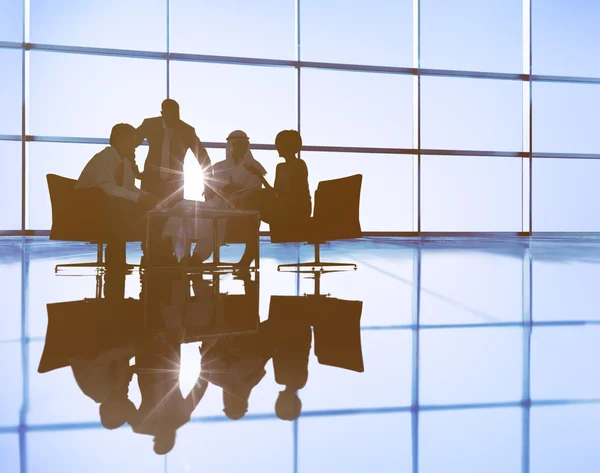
<point x="123" y="139"/>
<point x="239" y="143"/>
<point x="288" y="405"/>
<point x="234" y="406"/>
<point x="164" y="441"/>
<point x="116" y="411"/>
<point x="170" y="112"/>
<point x="288" y="143"/>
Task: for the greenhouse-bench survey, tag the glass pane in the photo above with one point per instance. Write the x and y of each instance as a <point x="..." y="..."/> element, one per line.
<point x="67" y="160"/>
<point x="217" y="99"/>
<point x="387" y="187"/>
<point x="471" y="286"/>
<point x="10" y="282"/>
<point x="476" y="114"/>
<point x="84" y="96"/>
<point x="252" y="28"/>
<point x="379" y="443"/>
<point x="565" y="438"/>
<point x="11" y="394"/>
<point x="471" y="440"/>
<point x="98" y="450"/>
<point x="565" y="283"/>
<point x="565" y="37"/>
<point x="566" y="196"/>
<point x="11" y="20"/>
<point x="10" y="91"/>
<point x="9" y="452"/>
<point x="329" y="32"/>
<point x="472" y="35"/>
<point x="356" y="109"/>
<point x="564" y="118"/>
<point x="134" y="24"/>
<point x="383" y="383"/>
<point x="473" y="365"/>
<point x="562" y="359"/>
<point x="208" y="447"/>
<point x="471" y="193"/>
<point x="10" y="185"/>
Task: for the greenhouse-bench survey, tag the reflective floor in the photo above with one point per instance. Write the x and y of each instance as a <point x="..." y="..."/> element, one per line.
<point x="473" y="355"/>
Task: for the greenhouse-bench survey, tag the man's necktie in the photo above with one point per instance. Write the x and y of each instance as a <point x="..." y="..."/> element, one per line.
<point x="165" y="163"/>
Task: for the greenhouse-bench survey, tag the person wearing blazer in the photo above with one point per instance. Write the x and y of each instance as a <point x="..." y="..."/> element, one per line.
<point x="169" y="139"/>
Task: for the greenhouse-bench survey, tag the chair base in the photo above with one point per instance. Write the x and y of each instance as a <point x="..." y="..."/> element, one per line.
<point x="317" y="264"/>
<point x="99" y="264"/>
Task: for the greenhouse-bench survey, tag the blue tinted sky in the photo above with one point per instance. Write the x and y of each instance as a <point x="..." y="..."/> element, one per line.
<point x="74" y="95"/>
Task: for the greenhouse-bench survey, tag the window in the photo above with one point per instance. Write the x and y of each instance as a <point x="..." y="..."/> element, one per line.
<point x="10" y="185"/>
<point x="386" y="202"/>
<point x="565" y="37"/>
<point x="11" y="63"/>
<point x="84" y="96"/>
<point x="217" y="99"/>
<point x="252" y="28"/>
<point x="565" y="118"/>
<point x="471" y="194"/>
<point x="378" y="32"/>
<point x="356" y="109"/>
<point x="566" y="197"/>
<point x="11" y="21"/>
<point x="472" y="35"/>
<point x="473" y="114"/>
<point x="134" y="24"/>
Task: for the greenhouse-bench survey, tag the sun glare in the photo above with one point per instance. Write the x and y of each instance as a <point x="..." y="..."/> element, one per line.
<point x="193" y="178"/>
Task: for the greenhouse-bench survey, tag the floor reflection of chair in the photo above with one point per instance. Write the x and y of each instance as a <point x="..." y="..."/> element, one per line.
<point x="336" y="324"/>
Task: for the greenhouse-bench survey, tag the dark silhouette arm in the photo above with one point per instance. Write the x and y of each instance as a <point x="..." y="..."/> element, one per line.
<point x="141" y="134"/>
<point x="200" y="153"/>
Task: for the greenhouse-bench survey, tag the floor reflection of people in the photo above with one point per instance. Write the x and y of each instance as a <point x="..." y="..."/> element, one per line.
<point x="163" y="409"/>
<point x="337" y="342"/>
<point x="94" y="337"/>
<point x="290" y="339"/>
<point x="236" y="363"/>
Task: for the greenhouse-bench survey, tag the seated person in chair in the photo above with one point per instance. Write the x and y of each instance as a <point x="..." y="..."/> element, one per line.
<point x="107" y="184"/>
<point x="229" y="184"/>
<point x="286" y="205"/>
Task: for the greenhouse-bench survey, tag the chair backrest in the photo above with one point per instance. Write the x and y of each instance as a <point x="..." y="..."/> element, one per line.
<point x="337" y="208"/>
<point x="71" y="218"/>
<point x="61" y="197"/>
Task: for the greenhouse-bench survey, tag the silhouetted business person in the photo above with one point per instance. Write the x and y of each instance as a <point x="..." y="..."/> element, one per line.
<point x="169" y="139"/>
<point x="286" y="205"/>
<point x="106" y="187"/>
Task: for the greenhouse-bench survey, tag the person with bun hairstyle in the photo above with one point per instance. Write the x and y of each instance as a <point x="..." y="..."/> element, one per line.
<point x="287" y="204"/>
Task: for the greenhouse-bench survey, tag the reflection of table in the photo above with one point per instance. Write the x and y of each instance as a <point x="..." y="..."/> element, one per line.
<point x="192" y="211"/>
<point x="193" y="308"/>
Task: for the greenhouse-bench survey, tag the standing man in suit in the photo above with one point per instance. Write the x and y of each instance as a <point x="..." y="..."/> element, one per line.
<point x="169" y="139"/>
